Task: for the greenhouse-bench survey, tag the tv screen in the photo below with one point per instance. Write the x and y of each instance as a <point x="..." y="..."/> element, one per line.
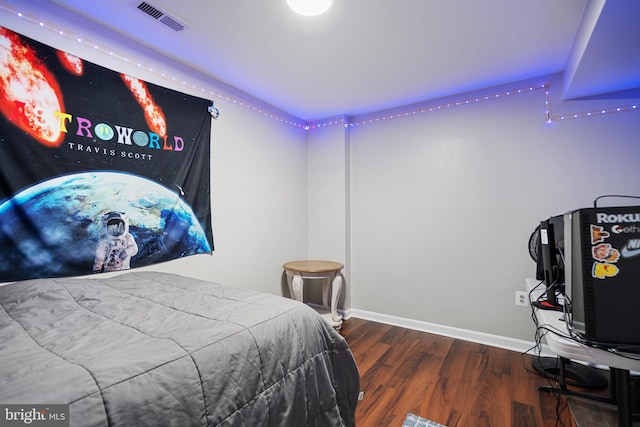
<point x="550" y="262"/>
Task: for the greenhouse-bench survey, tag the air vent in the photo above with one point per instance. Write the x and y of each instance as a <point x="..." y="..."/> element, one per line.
<point x="171" y="23"/>
<point x="159" y="15"/>
<point x="150" y="10"/>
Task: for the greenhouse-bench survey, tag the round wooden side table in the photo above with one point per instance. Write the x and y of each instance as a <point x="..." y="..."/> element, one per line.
<point x="328" y="271"/>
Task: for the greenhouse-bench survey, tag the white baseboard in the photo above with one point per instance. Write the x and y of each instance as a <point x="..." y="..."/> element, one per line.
<point x="512" y="344"/>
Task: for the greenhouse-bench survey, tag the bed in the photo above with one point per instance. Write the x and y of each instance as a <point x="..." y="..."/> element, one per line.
<point x="158" y="349"/>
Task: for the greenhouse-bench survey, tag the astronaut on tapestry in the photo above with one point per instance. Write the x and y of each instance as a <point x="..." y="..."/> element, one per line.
<point x="116" y="245"/>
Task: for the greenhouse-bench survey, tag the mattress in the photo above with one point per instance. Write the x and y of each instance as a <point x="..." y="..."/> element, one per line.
<point x="159" y="349"/>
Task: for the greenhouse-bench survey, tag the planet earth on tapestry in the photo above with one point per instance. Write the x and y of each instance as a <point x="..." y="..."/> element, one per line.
<point x="71" y="208"/>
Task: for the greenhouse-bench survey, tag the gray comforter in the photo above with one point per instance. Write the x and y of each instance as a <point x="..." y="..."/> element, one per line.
<point x="157" y="349"/>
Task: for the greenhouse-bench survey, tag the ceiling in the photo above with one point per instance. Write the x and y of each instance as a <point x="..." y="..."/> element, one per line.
<point x="364" y="56"/>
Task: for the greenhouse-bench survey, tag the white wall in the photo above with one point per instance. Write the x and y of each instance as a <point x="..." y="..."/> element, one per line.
<point x="328" y="202"/>
<point x="443" y="202"/>
<point x="258" y="162"/>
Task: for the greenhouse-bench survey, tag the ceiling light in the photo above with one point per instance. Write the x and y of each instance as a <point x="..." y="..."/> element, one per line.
<point x="309" y="7"/>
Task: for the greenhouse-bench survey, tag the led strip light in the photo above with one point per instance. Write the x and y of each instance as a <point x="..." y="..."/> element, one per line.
<point x="346" y="122"/>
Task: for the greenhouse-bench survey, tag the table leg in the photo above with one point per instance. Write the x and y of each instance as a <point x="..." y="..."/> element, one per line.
<point x="335" y="294"/>
<point x="563" y="377"/>
<point x="297" y="287"/>
<point x="623" y="396"/>
<point x="325" y="291"/>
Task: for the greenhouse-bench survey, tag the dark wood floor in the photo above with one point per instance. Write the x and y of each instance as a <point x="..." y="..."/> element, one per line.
<point x="453" y="382"/>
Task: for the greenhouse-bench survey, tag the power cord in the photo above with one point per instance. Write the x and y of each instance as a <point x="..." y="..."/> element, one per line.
<point x="540" y="331"/>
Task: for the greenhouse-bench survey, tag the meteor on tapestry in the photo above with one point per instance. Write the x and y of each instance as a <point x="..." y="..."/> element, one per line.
<point x="99" y="171"/>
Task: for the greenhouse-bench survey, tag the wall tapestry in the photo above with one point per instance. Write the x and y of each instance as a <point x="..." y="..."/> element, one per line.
<point x="99" y="171"/>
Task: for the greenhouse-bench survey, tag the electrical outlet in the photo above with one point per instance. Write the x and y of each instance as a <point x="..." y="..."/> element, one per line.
<point x="522" y="298"/>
